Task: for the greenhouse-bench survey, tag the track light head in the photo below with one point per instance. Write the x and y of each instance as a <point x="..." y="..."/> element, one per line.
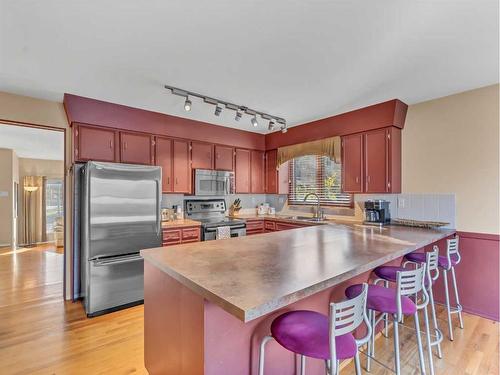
<point x="218" y="110"/>
<point x="237" y="117"/>
<point x="254" y="121"/>
<point x="284" y="129"/>
<point x="187" y="104"/>
<point x="271" y="125"/>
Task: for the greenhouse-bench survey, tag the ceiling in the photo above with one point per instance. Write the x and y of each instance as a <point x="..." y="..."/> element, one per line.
<point x="33" y="143"/>
<point x="302" y="60"/>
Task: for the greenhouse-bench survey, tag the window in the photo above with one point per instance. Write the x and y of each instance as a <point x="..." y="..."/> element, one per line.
<point x="316" y="174"/>
<point x="54" y="203"/>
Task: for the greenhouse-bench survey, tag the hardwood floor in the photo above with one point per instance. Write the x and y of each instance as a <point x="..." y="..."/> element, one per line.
<point x="42" y="334"/>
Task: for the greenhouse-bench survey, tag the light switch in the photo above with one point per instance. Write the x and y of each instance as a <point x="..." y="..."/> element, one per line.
<point x="401" y="202"/>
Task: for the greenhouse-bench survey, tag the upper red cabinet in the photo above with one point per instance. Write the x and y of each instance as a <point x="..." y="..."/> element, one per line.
<point x="91" y="143"/>
<point x="242" y="168"/>
<point x="224" y="158"/>
<point x="163" y="159"/>
<point x="136" y="148"/>
<point x="271" y="172"/>
<point x="258" y="168"/>
<point x="202" y="155"/>
<point x="371" y="161"/>
<point x="352" y="163"/>
<point x="181" y="167"/>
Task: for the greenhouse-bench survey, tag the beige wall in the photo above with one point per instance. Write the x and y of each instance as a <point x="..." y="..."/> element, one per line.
<point x="450" y="145"/>
<point x="7" y="175"/>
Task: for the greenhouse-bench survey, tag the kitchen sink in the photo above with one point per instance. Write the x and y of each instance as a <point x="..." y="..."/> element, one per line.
<point x="306" y="218"/>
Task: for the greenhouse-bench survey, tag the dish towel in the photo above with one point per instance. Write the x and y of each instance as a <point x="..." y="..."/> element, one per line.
<point x="223" y="233"/>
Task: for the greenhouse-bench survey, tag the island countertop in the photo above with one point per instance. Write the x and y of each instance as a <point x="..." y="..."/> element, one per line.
<point x="253" y="276"/>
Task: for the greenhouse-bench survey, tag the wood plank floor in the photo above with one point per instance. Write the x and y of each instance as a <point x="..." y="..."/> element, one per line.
<point x="42" y="334"/>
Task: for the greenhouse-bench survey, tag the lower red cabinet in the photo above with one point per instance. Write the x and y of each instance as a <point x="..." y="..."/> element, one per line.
<point x="175" y="236"/>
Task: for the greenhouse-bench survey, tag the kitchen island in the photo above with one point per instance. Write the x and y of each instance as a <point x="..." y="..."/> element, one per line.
<point x="207" y="305"/>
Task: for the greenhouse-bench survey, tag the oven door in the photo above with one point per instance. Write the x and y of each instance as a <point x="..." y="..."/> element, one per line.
<point x="236" y="231"/>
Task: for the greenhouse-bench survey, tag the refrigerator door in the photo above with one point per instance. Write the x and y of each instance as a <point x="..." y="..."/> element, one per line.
<point x="120" y="209"/>
<point x="114" y="282"/>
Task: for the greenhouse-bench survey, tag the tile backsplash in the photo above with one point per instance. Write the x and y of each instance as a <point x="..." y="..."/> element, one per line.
<point x="424" y="206"/>
<point x="247" y="200"/>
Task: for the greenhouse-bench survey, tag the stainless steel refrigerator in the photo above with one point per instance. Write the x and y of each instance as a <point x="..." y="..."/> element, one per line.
<point x="119" y="215"/>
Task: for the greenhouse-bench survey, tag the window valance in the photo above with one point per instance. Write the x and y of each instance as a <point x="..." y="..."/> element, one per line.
<point x="324" y="147"/>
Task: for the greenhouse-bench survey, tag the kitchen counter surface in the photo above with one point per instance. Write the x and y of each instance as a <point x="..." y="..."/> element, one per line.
<point x="180" y="223"/>
<point x="252" y="276"/>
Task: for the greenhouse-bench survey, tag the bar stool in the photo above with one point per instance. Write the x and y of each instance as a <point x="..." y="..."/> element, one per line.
<point x="311" y="334"/>
<point x="430" y="259"/>
<point x="396" y="302"/>
<point x="447" y="263"/>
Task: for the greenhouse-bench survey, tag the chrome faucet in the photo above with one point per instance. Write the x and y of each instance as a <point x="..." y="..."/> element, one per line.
<point x="319" y="213"/>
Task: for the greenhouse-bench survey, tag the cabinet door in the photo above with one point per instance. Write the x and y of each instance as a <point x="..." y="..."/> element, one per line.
<point x="242" y="171"/>
<point x="181" y="167"/>
<point x="352" y="163"/>
<point x="202" y="155"/>
<point x="284" y="178"/>
<point x="136" y="148"/>
<point x="95" y="144"/>
<point x="271" y="172"/>
<point x="394" y="158"/>
<point x="258" y="172"/>
<point x="224" y="157"/>
<point x="375" y="151"/>
<point x="164" y="160"/>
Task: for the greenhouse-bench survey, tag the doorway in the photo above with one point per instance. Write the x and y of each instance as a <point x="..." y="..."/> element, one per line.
<point x="32" y="212"/>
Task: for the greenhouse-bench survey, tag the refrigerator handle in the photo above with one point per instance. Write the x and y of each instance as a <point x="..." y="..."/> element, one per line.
<point x="158" y="207"/>
<point x="110" y="262"/>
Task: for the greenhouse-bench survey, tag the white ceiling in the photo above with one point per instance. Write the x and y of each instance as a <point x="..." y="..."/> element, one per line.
<point x="302" y="60"/>
<point x="33" y="143"/>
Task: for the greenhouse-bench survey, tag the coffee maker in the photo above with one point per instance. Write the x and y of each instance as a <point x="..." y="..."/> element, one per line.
<point x="377" y="212"/>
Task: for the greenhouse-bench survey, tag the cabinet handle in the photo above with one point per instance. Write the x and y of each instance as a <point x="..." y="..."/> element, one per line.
<point x="176" y="181"/>
<point x="357" y="179"/>
<point x="168" y="180"/>
<point x="110" y="143"/>
<point x="124" y="145"/>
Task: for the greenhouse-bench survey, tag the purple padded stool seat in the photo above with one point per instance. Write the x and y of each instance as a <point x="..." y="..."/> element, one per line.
<point x="420" y="258"/>
<point x="382" y="299"/>
<point x="306" y="332"/>
<point x="390" y="273"/>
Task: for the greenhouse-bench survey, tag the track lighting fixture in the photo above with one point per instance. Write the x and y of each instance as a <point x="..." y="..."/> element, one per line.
<point x="254" y="121"/>
<point x="187" y="104"/>
<point x="284" y="128"/>
<point x="239" y="109"/>
<point x="237" y="117"/>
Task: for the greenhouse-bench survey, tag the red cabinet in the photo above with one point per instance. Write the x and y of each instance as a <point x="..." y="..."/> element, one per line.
<point x="175" y="236"/>
<point x="258" y="168"/>
<point x="224" y="158"/>
<point x="242" y="171"/>
<point x="371" y="161"/>
<point x="163" y="158"/>
<point x="255" y="227"/>
<point x="352" y="163"/>
<point x="181" y="167"/>
<point x="136" y="148"/>
<point x="271" y="172"/>
<point x="91" y="143"/>
<point x="202" y="155"/>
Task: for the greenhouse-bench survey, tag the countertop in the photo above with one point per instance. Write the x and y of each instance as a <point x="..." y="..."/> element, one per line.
<point x="253" y="276"/>
<point x="180" y="223"/>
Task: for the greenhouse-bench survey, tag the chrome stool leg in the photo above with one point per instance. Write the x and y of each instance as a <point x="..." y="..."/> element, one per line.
<point x="357" y="364"/>
<point x="428" y="337"/>
<point x="396" y="346"/>
<point x="448" y="307"/>
<point x="437" y="331"/>
<point x="302" y="365"/>
<point x="262" y="349"/>
<point x="457" y="301"/>
<point x="419" y="344"/>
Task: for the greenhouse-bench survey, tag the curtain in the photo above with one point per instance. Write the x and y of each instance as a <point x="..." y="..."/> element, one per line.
<point x="33" y="214"/>
<point x="324" y="147"/>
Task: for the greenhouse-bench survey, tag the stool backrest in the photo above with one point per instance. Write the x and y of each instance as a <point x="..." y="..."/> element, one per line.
<point x="432" y="263"/>
<point x="409" y="283"/>
<point x="452" y="250"/>
<point x="346" y="316"/>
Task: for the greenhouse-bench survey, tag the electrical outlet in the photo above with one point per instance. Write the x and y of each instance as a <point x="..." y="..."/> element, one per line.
<point x="401" y="202"/>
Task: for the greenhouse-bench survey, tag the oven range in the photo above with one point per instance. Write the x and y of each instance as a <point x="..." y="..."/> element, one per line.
<point x="212" y="214"/>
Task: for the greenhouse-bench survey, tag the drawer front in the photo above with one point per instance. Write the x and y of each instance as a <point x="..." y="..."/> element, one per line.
<point x="286" y="226"/>
<point x="269" y="225"/>
<point x="255" y="225"/>
<point x="172" y="237"/>
<point x="190" y="234"/>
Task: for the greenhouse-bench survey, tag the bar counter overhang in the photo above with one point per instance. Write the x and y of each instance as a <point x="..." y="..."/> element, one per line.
<point x="207" y="305"/>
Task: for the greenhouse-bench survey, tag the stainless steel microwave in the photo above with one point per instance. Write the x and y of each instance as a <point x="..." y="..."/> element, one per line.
<point x="209" y="182"/>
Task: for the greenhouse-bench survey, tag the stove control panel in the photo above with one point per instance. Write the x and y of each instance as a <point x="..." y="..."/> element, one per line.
<point x="205" y="206"/>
